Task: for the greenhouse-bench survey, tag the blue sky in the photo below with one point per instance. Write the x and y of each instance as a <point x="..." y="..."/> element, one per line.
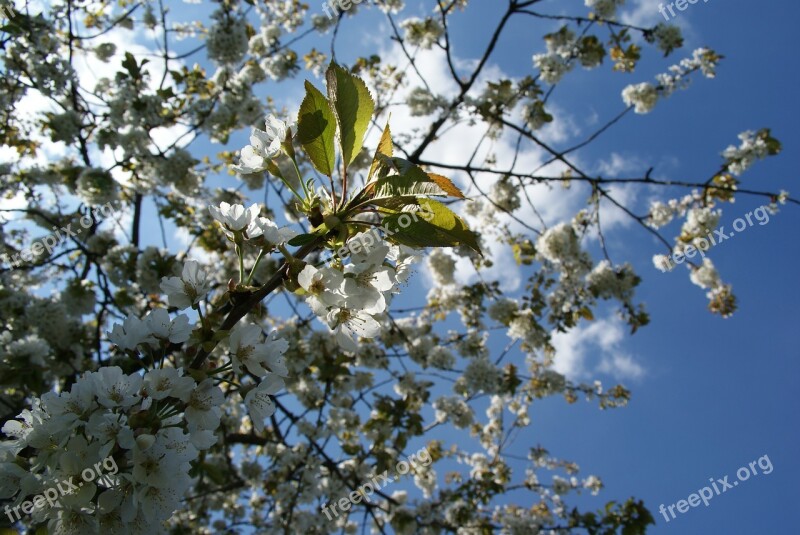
<point x="712" y="395"/>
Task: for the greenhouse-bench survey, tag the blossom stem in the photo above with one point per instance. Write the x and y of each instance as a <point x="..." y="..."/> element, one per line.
<point x="253" y="271"/>
<point x="241" y="309"/>
<point x="221" y="369"/>
<point x="286" y="183"/>
<point x="200" y="315"/>
<point x="300" y="178"/>
<point x="240" y="252"/>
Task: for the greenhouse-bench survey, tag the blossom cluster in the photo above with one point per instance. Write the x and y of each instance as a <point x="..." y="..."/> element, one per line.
<point x="604" y="9"/>
<point x="644" y="96"/>
<point x="422" y="33"/>
<point x="240" y="223"/>
<point x="348" y="298"/>
<point x="153" y="425"/>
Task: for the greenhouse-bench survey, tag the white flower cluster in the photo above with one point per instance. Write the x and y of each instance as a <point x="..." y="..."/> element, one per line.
<point x="262" y="43"/>
<point x="505" y="195"/>
<point x="535" y="115"/>
<point x="607" y="282"/>
<point x="551" y="66"/>
<point x="706" y="275"/>
<point x="700" y="221"/>
<point x="503" y="310"/>
<point x="660" y="214"/>
<point x="604" y="9"/>
<point x="752" y="148"/>
<point x="562" y="47"/>
<point x="227" y="39"/>
<point x="391" y="6"/>
<point x="153" y="425"/>
<point x="178" y="169"/>
<point x="281" y="64"/>
<point x="442" y="266"/>
<point x="525" y="327"/>
<point x="422" y="33"/>
<point x="668" y="37"/>
<point x="561" y="43"/>
<point x="559" y="244"/>
<point x="96" y="186"/>
<point x="644" y="96"/>
<point x="238" y="221"/>
<point x="480" y="375"/>
<point x="702" y="59"/>
<point x="347" y="299"/>
<point x="422" y="102"/>
<point x="264" y="146"/>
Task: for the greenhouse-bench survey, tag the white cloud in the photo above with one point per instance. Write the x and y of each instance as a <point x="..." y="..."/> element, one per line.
<point x="642" y="13"/>
<point x="595" y="348"/>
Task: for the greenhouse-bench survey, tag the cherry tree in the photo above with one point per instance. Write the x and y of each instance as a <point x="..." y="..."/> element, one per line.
<point x="262" y="370"/>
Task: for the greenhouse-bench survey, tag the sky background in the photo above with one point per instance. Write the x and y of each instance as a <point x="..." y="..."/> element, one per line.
<point x="709" y="395"/>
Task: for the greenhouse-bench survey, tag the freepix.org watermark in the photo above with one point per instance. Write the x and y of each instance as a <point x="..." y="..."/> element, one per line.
<point x="717" y="487"/>
<point x="373" y="236"/>
<point x="50" y="242"/>
<point x="52" y="495"/>
<point x="680" y="4"/>
<point x="332" y="6"/>
<point x="363" y="492"/>
<point x="667" y="262"/>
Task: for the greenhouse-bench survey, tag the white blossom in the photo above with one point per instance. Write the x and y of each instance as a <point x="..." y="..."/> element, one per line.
<point x="115" y="389"/>
<point x="552" y="67"/>
<point x="234" y="218"/>
<point x="258" y="400"/>
<point x="249" y="351"/>
<point x="604" y="9"/>
<point x="131" y="333"/>
<point x="188" y="289"/>
<point x="203" y="405"/>
<point x="642" y="97"/>
<point x="175" y="331"/>
<point x="264" y="146"/>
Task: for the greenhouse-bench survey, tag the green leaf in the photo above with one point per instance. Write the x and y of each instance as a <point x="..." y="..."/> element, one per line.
<point x="130" y="65"/>
<point x="435" y="225"/>
<point x="302" y="239"/>
<point x="352" y="106"/>
<point x="411" y="181"/>
<point x="385" y="148"/>
<point x="409" y="185"/>
<point x="405" y="167"/>
<point x="447" y="185"/>
<point x="316" y="129"/>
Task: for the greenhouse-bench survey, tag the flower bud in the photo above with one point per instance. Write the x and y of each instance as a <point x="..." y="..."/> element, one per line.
<point x="144" y="442"/>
